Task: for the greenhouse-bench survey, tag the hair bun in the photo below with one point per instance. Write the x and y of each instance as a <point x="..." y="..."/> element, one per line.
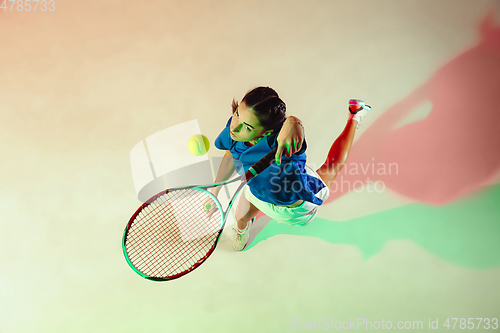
<point x="267" y="105"/>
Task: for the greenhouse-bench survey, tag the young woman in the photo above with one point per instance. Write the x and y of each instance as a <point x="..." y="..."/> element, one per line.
<point x="288" y="191"/>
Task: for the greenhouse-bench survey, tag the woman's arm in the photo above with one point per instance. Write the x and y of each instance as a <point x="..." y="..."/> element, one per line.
<point x="290" y="138"/>
<point x="226" y="169"/>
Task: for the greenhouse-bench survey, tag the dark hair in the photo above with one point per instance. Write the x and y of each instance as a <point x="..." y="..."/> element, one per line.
<point x="268" y="107"/>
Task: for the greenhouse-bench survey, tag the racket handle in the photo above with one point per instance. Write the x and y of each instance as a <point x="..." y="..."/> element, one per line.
<point x="261" y="165"/>
<point x="265" y="162"/>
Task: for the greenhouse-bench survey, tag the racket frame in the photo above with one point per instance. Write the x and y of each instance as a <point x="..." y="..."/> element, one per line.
<point x="203" y="189"/>
<point x="253" y="171"/>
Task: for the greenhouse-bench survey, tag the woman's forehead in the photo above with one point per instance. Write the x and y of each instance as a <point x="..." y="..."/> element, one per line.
<point x="248" y="115"/>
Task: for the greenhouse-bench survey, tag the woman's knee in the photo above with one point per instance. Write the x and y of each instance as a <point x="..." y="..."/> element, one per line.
<point x="327" y="174"/>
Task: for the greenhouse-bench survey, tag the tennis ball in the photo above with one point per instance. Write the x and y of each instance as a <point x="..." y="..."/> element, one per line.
<point x="198" y="145"/>
<point x="208" y="206"/>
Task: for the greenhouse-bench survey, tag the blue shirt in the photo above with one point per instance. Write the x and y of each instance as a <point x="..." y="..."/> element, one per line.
<point x="282" y="184"/>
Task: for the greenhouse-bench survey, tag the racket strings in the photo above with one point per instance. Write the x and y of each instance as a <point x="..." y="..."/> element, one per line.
<point x="173" y="233"/>
<point x="154" y="256"/>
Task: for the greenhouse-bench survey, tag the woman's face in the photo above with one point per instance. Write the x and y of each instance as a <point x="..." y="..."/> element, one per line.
<point x="245" y="125"/>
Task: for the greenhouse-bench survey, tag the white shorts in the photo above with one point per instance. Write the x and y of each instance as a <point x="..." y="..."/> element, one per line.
<point x="297" y="216"/>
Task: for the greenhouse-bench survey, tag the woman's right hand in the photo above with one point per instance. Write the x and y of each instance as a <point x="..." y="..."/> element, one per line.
<point x="290" y="138"/>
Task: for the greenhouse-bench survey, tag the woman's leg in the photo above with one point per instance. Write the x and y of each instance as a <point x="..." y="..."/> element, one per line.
<point x="338" y="154"/>
<point x="245" y="211"/>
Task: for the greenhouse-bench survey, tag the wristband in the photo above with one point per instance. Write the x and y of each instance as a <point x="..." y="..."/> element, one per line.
<point x="292" y="121"/>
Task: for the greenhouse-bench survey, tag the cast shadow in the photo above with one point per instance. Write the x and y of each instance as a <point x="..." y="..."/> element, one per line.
<point x="465" y="232"/>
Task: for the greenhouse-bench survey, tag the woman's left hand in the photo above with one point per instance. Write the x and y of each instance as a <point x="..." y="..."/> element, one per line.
<point x="290" y="138"/>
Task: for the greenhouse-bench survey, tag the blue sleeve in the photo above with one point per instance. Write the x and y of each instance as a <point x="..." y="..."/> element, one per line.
<point x="224" y="141"/>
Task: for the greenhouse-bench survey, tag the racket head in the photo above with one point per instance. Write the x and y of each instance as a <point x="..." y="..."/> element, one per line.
<point x="172" y="233"/>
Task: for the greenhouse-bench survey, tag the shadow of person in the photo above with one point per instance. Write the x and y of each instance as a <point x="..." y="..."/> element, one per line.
<point x="445" y="231"/>
<point x="453" y="152"/>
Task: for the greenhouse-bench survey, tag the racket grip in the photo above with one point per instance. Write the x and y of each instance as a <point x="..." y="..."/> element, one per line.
<point x="265" y="162"/>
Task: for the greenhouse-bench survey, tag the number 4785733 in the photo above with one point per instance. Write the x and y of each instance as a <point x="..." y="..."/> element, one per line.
<point x="28" y="5"/>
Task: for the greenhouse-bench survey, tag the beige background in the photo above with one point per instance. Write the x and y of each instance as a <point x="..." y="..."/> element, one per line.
<point x="81" y="85"/>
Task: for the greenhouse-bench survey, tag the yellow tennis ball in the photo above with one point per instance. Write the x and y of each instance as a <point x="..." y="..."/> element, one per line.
<point x="198" y="145"/>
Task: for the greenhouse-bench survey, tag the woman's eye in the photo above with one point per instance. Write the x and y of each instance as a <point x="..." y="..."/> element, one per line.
<point x="248" y="128"/>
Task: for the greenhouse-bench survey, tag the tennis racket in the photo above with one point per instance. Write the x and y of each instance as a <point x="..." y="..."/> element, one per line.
<point x="176" y="230"/>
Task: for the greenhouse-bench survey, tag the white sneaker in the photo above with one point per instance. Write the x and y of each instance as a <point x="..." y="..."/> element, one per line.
<point x="240" y="237"/>
<point x="358" y="109"/>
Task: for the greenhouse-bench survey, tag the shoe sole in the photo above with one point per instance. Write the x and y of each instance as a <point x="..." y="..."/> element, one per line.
<point x="359" y="104"/>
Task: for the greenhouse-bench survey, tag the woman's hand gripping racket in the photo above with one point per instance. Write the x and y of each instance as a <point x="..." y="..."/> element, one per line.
<point x="176" y="230"/>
